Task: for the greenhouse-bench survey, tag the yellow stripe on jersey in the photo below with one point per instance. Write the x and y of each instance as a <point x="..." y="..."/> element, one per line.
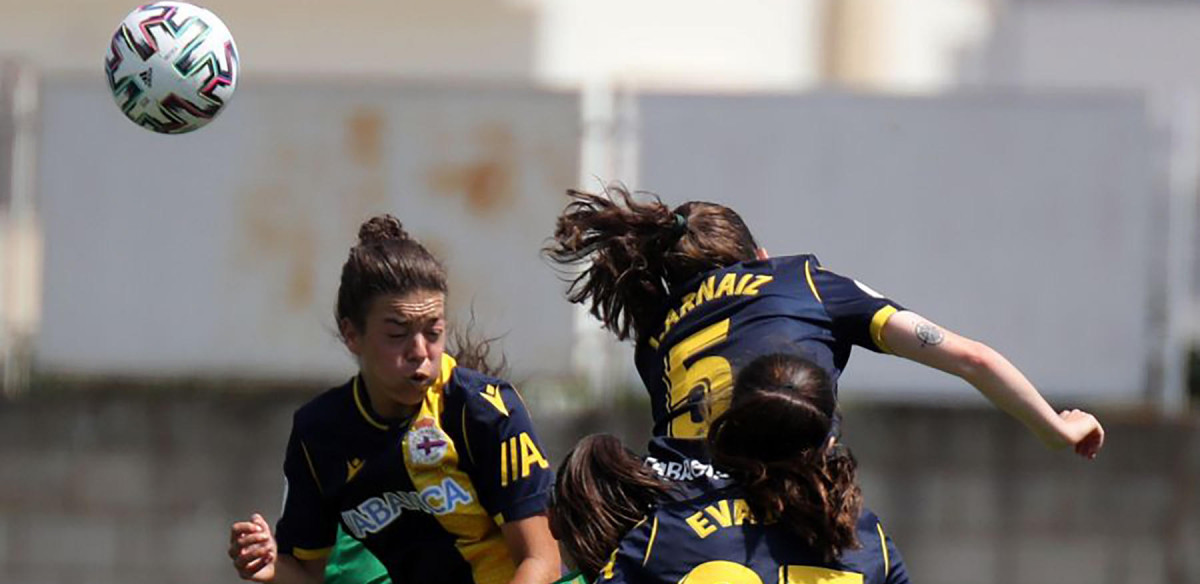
<point x="362" y="410"/>
<point x="477" y="536"/>
<point x="881" y="317"/>
<point x="504" y="465"/>
<point x="887" y="566"/>
<point x="303" y="554"/>
<point x="518" y="455"/>
<point x="312" y="469"/>
<point x="811" y="285"/>
<point x="650" y="544"/>
<point x="606" y="573"/>
<point x="466" y="440"/>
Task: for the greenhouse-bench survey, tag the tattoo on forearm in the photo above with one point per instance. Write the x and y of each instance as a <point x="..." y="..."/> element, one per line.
<point x="929" y="334"/>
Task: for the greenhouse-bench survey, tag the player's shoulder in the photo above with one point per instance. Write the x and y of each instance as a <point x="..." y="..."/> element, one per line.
<point x="789" y="268"/>
<point x="794" y="261"/>
<point x="327" y="409"/>
<point x="465" y="379"/>
<point x="482" y="395"/>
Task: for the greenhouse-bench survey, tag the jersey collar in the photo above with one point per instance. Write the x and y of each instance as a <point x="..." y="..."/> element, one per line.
<point x="363" y="403"/>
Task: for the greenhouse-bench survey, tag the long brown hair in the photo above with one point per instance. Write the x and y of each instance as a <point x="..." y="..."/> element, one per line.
<point x="602" y="490"/>
<point x="774" y="440"/>
<point x="387" y="260"/>
<point x="639" y="250"/>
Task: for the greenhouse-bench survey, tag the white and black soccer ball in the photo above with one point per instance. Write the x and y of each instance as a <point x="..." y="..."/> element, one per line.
<point x="172" y="66"/>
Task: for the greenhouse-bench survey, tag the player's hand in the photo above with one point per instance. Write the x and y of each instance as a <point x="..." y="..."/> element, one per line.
<point x="1083" y="431"/>
<point x="253" y="550"/>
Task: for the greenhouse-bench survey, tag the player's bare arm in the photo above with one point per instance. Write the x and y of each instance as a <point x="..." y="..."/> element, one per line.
<point x="914" y="337"/>
<point x="533" y="549"/>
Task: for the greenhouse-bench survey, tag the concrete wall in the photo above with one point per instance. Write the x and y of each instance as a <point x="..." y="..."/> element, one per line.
<point x="1019" y="220"/>
<point x="140" y="487"/>
<point x="1093" y="45"/>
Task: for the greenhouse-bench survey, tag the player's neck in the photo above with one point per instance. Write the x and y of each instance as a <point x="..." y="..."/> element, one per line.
<point x="384" y="405"/>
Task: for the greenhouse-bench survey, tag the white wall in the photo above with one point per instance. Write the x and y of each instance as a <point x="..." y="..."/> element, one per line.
<point x="424" y="38"/>
<point x="219" y="252"/>
<point x="681" y="43"/>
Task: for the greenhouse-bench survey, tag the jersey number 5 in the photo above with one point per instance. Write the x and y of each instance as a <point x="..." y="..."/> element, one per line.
<point x="701" y="390"/>
<point x="723" y="572"/>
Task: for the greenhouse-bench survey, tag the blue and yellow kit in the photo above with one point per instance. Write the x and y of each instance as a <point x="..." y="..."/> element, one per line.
<point x="723" y="319"/>
<point x="713" y="538"/>
<point x="427" y="497"/>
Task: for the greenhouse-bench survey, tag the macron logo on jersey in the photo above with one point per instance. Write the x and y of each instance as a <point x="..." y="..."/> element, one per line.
<point x="376" y="513"/>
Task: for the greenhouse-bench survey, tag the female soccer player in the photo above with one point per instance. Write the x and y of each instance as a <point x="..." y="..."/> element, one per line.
<point x="700" y="299"/>
<point x="790" y="513"/>
<point x="434" y="467"/>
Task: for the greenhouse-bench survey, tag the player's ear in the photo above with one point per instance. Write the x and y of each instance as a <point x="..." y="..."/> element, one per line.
<point x="350" y="336"/>
<point x="761" y="253"/>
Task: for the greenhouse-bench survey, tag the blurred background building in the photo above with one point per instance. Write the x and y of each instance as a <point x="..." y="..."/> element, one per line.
<point x="1023" y="171"/>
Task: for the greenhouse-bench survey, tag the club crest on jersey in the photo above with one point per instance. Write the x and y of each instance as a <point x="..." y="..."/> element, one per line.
<point x="427" y="444"/>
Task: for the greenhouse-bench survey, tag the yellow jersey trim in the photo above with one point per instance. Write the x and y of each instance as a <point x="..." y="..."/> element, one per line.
<point x="312" y="469"/>
<point x="363" y="410"/>
<point x="447" y="369"/>
<point x="811" y="285"/>
<point x="887" y="565"/>
<point x="881" y="317"/>
<point x="303" y="554"/>
<point x="466" y="438"/>
<point x="476" y="533"/>
<point x="650" y="544"/>
<point x="606" y="573"/>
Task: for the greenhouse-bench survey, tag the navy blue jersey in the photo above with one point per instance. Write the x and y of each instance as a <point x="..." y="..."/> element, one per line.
<point x="713" y="538"/>
<point x="427" y="497"/>
<point x="725" y="318"/>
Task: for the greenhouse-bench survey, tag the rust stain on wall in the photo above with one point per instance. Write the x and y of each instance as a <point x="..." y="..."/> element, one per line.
<point x="273" y="235"/>
<point x="488" y="180"/>
<point x="365" y="128"/>
<point x="364" y="192"/>
<point x="558" y="168"/>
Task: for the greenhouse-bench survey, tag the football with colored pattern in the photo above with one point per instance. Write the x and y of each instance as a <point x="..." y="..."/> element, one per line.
<point x="172" y="66"/>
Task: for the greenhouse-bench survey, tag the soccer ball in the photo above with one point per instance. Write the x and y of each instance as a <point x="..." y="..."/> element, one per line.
<point x="171" y="66"/>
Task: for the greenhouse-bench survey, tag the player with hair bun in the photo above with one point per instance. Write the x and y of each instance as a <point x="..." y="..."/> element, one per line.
<point x="433" y="466"/>
<point x="791" y="510"/>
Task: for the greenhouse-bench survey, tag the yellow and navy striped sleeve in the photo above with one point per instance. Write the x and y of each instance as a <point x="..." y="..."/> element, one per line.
<point x="509" y="466"/>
